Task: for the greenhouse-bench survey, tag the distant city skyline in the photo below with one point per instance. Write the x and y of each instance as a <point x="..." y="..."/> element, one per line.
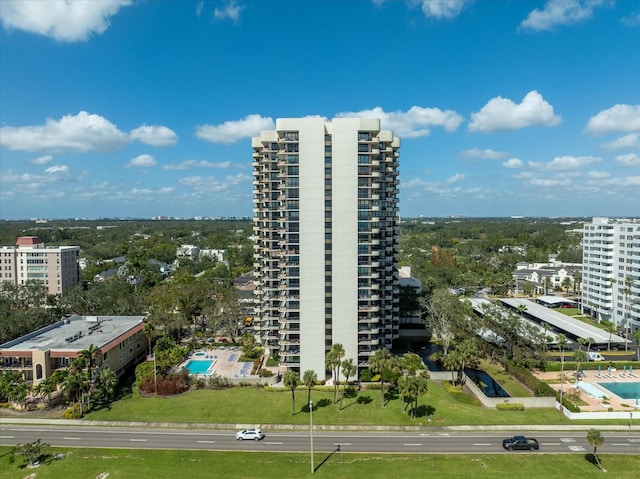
<point x="131" y="109"/>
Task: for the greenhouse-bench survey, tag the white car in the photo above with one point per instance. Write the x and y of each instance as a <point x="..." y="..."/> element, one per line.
<point x="251" y="433"/>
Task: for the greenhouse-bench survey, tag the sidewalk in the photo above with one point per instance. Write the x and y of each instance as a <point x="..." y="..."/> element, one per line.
<point x="294" y="427"/>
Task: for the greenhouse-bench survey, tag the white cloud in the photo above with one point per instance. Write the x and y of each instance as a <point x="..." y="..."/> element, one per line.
<point x="632" y="20"/>
<point x="231" y="11"/>
<point x="232" y="131"/>
<point x="210" y="184"/>
<point x="486" y="154"/>
<point x="199" y="7"/>
<point x="597" y="175"/>
<point x="549" y="182"/>
<point x="62" y="20"/>
<point x="441" y="9"/>
<point x="414" y="183"/>
<point x="617" y="118"/>
<point x="501" y="114"/>
<point x="34" y="181"/>
<point x="560" y="12"/>
<point x="81" y="132"/>
<point x="513" y="163"/>
<point x="629" y="141"/>
<point x="190" y="164"/>
<point x="139" y="194"/>
<point x="411" y="124"/>
<point x="455" y="178"/>
<point x="630" y="159"/>
<point x="145" y="161"/>
<point x="42" y="160"/>
<point x="155" y="135"/>
<point x="566" y="163"/>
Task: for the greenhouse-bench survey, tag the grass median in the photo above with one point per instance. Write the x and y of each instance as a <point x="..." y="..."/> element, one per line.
<point x="126" y="463"/>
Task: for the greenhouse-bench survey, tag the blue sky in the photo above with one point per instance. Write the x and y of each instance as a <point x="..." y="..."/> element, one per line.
<point x="144" y="108"/>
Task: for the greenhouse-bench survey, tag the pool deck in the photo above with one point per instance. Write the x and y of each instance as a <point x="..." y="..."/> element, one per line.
<point x="227" y="364"/>
<point x="593" y="378"/>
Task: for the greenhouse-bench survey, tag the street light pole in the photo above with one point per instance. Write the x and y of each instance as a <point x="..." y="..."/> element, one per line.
<point x="311" y="433"/>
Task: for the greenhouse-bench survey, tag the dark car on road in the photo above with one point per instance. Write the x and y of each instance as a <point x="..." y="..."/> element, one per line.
<point x="522" y="443"/>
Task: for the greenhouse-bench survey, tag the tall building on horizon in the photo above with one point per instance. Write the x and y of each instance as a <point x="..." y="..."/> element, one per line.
<point x="326" y="239"/>
<point x="611" y="271"/>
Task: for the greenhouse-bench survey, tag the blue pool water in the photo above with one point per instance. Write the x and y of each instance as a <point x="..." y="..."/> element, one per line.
<point x="624" y="390"/>
<point x="199" y="366"/>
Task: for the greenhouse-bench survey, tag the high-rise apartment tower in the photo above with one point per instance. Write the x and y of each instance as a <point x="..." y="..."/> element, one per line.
<point x="611" y="271"/>
<point x="326" y="239"/>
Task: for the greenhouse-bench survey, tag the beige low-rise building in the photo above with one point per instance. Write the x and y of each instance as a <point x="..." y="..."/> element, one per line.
<point x="55" y="267"/>
<point x="38" y="354"/>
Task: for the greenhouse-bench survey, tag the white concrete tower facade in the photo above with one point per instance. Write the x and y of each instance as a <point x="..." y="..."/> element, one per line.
<point x="326" y="239"/>
<point x="611" y="271"/>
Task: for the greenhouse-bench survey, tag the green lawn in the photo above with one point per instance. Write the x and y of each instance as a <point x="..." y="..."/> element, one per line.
<point x="255" y="406"/>
<point x="119" y="463"/>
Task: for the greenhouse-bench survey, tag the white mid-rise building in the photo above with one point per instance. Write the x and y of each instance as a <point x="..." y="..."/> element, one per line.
<point x="611" y="271"/>
<point x="326" y="239"/>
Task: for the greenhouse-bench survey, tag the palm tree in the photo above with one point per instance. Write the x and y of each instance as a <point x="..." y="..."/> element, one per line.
<point x="581" y="342"/>
<point x="636" y="338"/>
<point x="628" y="284"/>
<point x="562" y="344"/>
<point x="334" y="361"/>
<point x="90" y="358"/>
<point x="106" y="383"/>
<point x="309" y="379"/>
<point x="610" y="328"/>
<point x="521" y="309"/>
<point x="590" y="341"/>
<point x="292" y="380"/>
<point x="579" y="356"/>
<point x="594" y="437"/>
<point x="378" y="363"/>
<point x="148" y="330"/>
<point x="348" y="369"/>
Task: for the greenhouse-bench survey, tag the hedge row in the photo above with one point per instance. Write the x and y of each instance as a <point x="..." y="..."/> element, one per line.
<point x="510" y="406"/>
<point x="553" y="366"/>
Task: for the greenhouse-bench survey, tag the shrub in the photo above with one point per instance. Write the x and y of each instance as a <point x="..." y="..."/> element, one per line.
<point x="365" y="375"/>
<point x="166" y="386"/>
<point x="217" y="382"/>
<point x="72" y="412"/>
<point x="265" y="373"/>
<point x="510" y="406"/>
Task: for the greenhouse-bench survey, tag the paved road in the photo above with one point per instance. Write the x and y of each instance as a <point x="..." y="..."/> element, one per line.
<point x="564" y="442"/>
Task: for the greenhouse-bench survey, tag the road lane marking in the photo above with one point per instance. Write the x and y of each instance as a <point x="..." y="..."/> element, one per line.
<point x="576" y="448"/>
<point x="72" y="438"/>
<point x="272" y="442"/>
<point x="7" y="437"/>
<point x="207" y="442"/>
<point x="137" y="440"/>
<point x="482" y="444"/>
<point x="623" y="444"/>
<point x="413" y="444"/>
<point x="567" y="439"/>
<point x="550" y="444"/>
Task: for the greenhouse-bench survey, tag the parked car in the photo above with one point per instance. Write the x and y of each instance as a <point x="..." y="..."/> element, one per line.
<point x="250" y="434"/>
<point x="517" y="443"/>
<point x="591" y="356"/>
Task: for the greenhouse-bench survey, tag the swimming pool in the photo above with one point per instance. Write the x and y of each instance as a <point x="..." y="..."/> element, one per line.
<point x="199" y="366"/>
<point x="624" y="390"/>
<point x="200" y="354"/>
